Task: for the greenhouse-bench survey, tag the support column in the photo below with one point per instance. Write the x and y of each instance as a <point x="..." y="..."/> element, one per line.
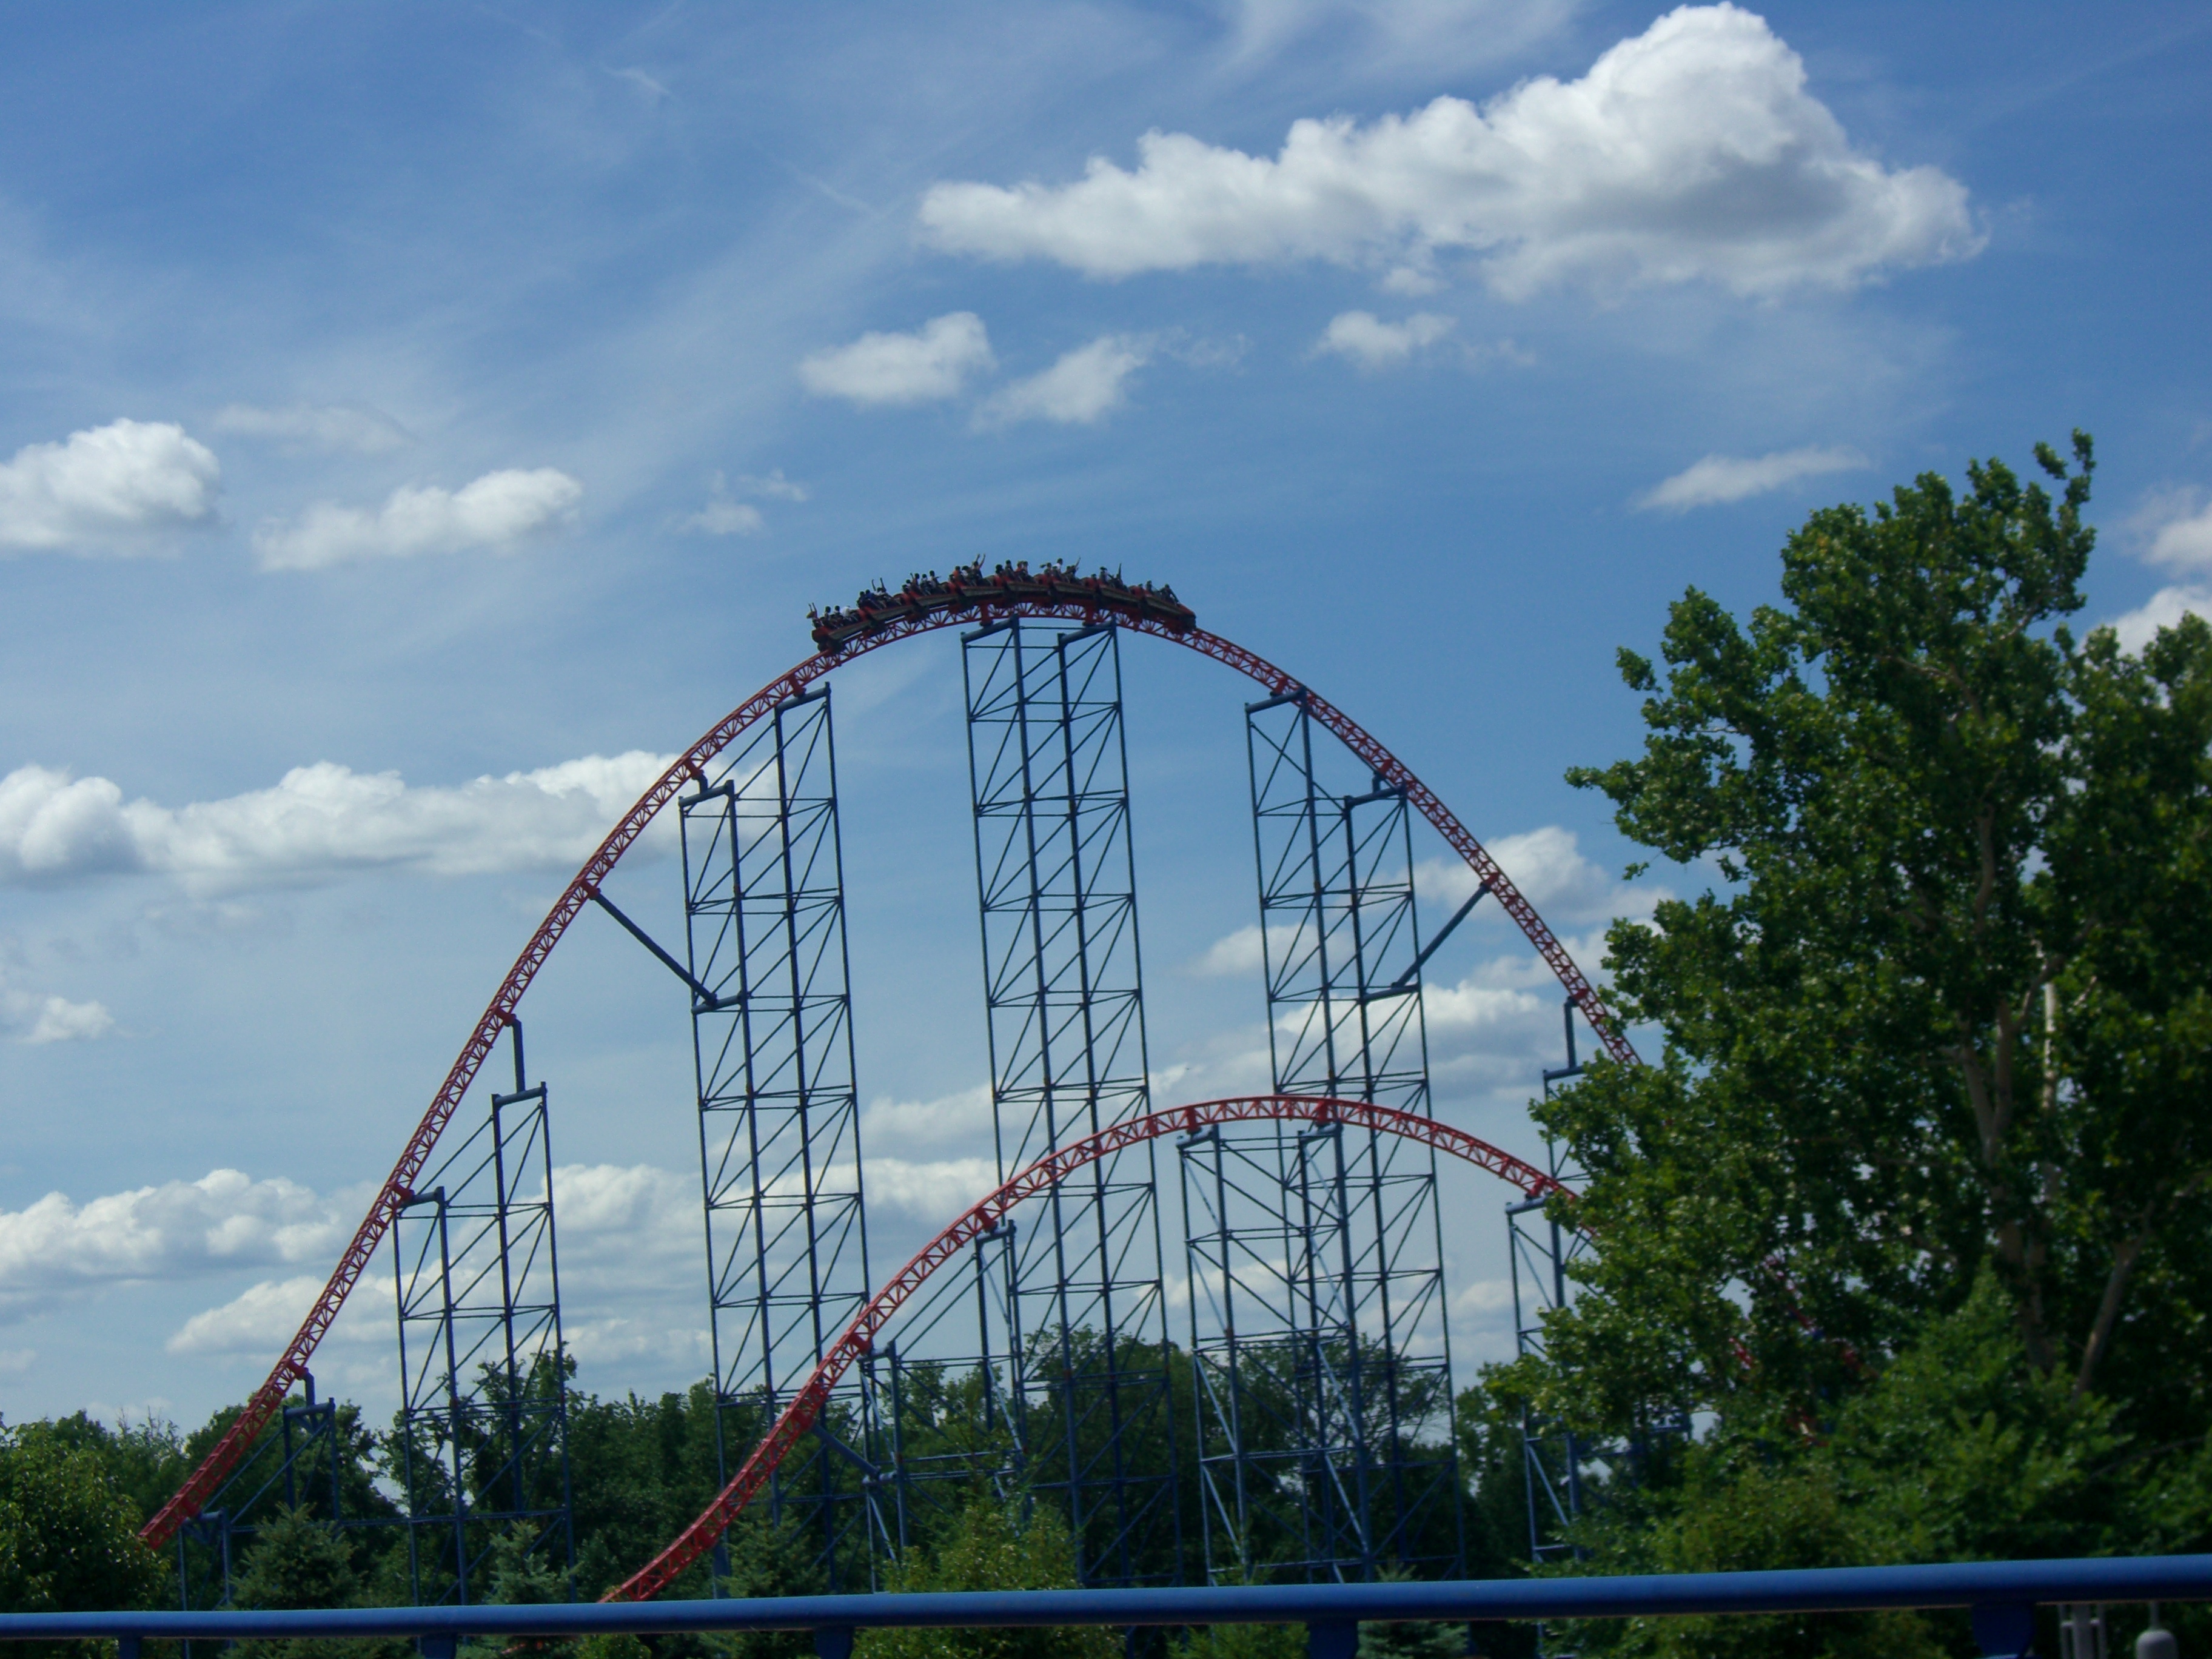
<point x="1324" y="1385"/>
<point x="484" y="1415"/>
<point x="779" y="1122"/>
<point x="1063" y="989"/>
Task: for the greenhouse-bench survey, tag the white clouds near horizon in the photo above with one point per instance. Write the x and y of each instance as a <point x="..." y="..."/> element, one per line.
<point x="497" y="513"/>
<point x="1715" y="480"/>
<point x="1080" y="389"/>
<point x="1691" y="152"/>
<point x="1372" y="344"/>
<point x="629" y="1238"/>
<point x="931" y="364"/>
<point x="109" y="488"/>
<point x="179" y="1230"/>
<point x="317" y="822"/>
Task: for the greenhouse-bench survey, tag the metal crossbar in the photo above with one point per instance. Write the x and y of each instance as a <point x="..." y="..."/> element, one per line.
<point x="2001" y="1595"/>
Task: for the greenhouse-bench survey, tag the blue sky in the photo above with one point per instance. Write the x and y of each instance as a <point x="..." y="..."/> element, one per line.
<point x="420" y="418"/>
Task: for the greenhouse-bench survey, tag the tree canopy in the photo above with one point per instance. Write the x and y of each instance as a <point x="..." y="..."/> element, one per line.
<point x="1909" y="1219"/>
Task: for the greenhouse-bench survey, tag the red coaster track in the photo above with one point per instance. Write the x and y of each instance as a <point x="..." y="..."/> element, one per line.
<point x="860" y="1336"/>
<point x="991" y="599"/>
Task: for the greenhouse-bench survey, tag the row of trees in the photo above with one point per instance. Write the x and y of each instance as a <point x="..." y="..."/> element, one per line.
<point x="1901" y="1241"/>
<point x="73" y="1493"/>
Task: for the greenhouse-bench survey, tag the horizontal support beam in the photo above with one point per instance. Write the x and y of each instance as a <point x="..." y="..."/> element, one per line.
<point x="1985" y="1584"/>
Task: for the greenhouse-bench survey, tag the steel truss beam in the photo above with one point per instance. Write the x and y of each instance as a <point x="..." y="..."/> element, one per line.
<point x="779" y="1118"/>
<point x="1063" y="987"/>
<point x="1324" y="1377"/>
<point x="484" y="1418"/>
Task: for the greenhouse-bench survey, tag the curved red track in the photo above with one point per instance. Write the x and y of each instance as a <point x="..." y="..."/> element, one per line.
<point x="397" y="1188"/>
<point x="860" y="1336"/>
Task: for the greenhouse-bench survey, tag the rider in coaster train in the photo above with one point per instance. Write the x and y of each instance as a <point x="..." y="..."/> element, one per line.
<point x="921" y="595"/>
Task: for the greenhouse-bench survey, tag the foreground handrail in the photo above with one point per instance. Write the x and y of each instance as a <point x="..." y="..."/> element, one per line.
<point x="2000" y="1592"/>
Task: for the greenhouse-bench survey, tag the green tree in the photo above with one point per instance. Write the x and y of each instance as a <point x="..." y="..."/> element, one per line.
<point x="300" y="1562"/>
<point x="1913" y="1202"/>
<point x="995" y="1546"/>
<point x="69" y="1535"/>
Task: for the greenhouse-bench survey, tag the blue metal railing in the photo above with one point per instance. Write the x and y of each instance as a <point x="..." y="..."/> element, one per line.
<point x="2002" y="1596"/>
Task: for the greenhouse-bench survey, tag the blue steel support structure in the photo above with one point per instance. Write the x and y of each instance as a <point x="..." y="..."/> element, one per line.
<point x="1324" y="1371"/>
<point x="779" y="1122"/>
<point x="1542" y="1251"/>
<point x="298" y="1467"/>
<point x="484" y="1421"/>
<point x="1063" y="992"/>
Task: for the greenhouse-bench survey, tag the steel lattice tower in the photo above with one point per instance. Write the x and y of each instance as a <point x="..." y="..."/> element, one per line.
<point x="779" y="1118"/>
<point x="298" y="1467"/>
<point x="1542" y="1252"/>
<point x="1324" y="1374"/>
<point x="1063" y="986"/>
<point x="483" y="1374"/>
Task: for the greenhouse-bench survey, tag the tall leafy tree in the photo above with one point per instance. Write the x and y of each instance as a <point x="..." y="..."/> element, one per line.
<point x="68" y="1533"/>
<point x="1936" y="1055"/>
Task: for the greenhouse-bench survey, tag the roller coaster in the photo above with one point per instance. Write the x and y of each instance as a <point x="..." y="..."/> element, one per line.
<point x="1311" y="1441"/>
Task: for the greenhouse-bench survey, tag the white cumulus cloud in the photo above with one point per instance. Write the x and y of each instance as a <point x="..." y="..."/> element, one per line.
<point x="180" y="1229"/>
<point x="317" y="823"/>
<point x="1720" y="478"/>
<point x="2176" y="532"/>
<point x="497" y="513"/>
<point x="1237" y="953"/>
<point x="111" y="487"/>
<point x="930" y="364"/>
<point x="2181" y="532"/>
<point x="1082" y="388"/>
<point x="259" y="1320"/>
<point x="1373" y="343"/>
<point x="774" y="487"/>
<point x="1690" y="152"/>
<point x="309" y="425"/>
<point x="57" y="1019"/>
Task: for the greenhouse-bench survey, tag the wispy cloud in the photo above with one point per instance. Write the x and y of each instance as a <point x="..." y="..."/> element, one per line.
<point x="359" y="430"/>
<point x="497" y="514"/>
<point x="1081" y="389"/>
<point x="1718" y="479"/>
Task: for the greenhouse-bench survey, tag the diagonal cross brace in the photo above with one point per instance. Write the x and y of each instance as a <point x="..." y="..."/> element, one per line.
<point x="708" y="1000"/>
